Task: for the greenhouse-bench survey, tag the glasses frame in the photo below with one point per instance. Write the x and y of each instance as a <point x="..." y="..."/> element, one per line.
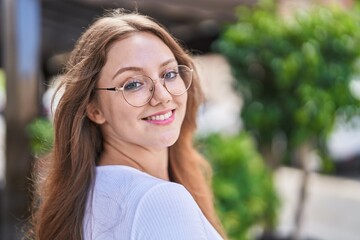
<point x="118" y="89"/>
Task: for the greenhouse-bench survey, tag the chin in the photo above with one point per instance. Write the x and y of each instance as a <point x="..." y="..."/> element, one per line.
<point x="169" y="139"/>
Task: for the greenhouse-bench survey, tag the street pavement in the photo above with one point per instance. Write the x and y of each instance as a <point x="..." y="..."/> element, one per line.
<point x="332" y="210"/>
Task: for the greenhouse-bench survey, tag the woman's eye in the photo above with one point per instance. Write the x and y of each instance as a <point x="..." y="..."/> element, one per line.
<point x="170" y="75"/>
<point x="133" y="85"/>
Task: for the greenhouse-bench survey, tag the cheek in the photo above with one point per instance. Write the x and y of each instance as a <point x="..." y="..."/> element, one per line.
<point x="114" y="108"/>
<point x="182" y="100"/>
<point x="182" y="103"/>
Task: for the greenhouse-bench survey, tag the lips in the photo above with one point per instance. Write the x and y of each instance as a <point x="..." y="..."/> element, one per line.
<point x="160" y="116"/>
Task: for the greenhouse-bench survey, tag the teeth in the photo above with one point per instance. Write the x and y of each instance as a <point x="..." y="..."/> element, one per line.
<point x="161" y="117"/>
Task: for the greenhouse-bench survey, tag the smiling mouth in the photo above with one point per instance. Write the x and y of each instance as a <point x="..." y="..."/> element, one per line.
<point x="160" y="117"/>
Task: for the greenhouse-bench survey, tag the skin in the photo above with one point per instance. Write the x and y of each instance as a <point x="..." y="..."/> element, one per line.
<point x="130" y="138"/>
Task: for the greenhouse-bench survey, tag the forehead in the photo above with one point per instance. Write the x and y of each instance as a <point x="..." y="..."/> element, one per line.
<point x="138" y="49"/>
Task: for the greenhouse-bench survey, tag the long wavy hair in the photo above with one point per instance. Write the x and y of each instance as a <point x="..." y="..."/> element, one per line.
<point x="64" y="178"/>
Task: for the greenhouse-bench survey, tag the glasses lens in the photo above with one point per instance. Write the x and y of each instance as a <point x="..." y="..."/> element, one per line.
<point x="138" y="90"/>
<point x="178" y="80"/>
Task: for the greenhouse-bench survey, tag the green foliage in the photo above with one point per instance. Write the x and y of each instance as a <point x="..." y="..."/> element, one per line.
<point x="2" y="80"/>
<point x="41" y="136"/>
<point x="243" y="187"/>
<point x="293" y="73"/>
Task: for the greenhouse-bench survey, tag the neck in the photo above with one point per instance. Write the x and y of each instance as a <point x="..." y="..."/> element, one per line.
<point x="153" y="162"/>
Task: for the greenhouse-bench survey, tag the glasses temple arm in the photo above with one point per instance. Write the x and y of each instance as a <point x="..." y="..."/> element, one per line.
<point x="107" y="89"/>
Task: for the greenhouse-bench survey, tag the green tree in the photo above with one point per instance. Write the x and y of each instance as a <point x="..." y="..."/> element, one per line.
<point x="294" y="76"/>
<point x="244" y="192"/>
<point x="41" y="136"/>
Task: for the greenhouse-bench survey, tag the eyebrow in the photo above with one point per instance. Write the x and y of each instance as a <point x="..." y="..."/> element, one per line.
<point x="121" y="70"/>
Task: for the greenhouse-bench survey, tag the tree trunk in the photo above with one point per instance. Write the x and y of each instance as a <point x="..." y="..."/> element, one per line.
<point x="302" y="155"/>
<point x="21" y="47"/>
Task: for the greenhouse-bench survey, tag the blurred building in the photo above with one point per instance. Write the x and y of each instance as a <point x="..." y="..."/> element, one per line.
<point x="195" y="22"/>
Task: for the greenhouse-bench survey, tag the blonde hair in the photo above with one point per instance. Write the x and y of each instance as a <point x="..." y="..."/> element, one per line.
<point x="61" y="196"/>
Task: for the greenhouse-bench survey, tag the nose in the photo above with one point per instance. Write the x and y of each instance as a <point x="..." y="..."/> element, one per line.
<point x="161" y="94"/>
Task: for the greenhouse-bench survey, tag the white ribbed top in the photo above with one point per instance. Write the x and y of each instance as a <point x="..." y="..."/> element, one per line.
<point x="129" y="204"/>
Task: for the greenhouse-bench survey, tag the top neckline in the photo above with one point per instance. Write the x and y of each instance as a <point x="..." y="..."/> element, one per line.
<point x="126" y="168"/>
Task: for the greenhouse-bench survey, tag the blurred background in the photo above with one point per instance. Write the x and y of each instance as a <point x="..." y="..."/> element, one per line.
<point x="280" y="124"/>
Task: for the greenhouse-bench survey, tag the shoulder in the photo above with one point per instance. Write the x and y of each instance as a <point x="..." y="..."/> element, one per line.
<point x="167" y="194"/>
<point x="128" y="204"/>
<point x="125" y="184"/>
<point x="119" y="181"/>
<point x="114" y="198"/>
<point x="168" y="211"/>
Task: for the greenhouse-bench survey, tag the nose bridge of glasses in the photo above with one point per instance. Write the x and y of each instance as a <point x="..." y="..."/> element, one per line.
<point x="160" y="90"/>
<point x="158" y="80"/>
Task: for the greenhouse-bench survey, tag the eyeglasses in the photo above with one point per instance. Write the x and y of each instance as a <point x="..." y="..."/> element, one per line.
<point x="138" y="90"/>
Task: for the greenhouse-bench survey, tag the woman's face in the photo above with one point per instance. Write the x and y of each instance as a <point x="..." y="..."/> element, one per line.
<point x="156" y="124"/>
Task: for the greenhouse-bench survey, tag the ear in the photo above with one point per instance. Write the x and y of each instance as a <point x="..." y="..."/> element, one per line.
<point x="94" y="113"/>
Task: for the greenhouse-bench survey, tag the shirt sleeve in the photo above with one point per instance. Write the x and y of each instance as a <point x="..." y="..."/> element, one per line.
<point x="168" y="211"/>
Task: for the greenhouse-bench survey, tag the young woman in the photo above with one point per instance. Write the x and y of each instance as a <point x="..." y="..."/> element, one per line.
<point x="123" y="165"/>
